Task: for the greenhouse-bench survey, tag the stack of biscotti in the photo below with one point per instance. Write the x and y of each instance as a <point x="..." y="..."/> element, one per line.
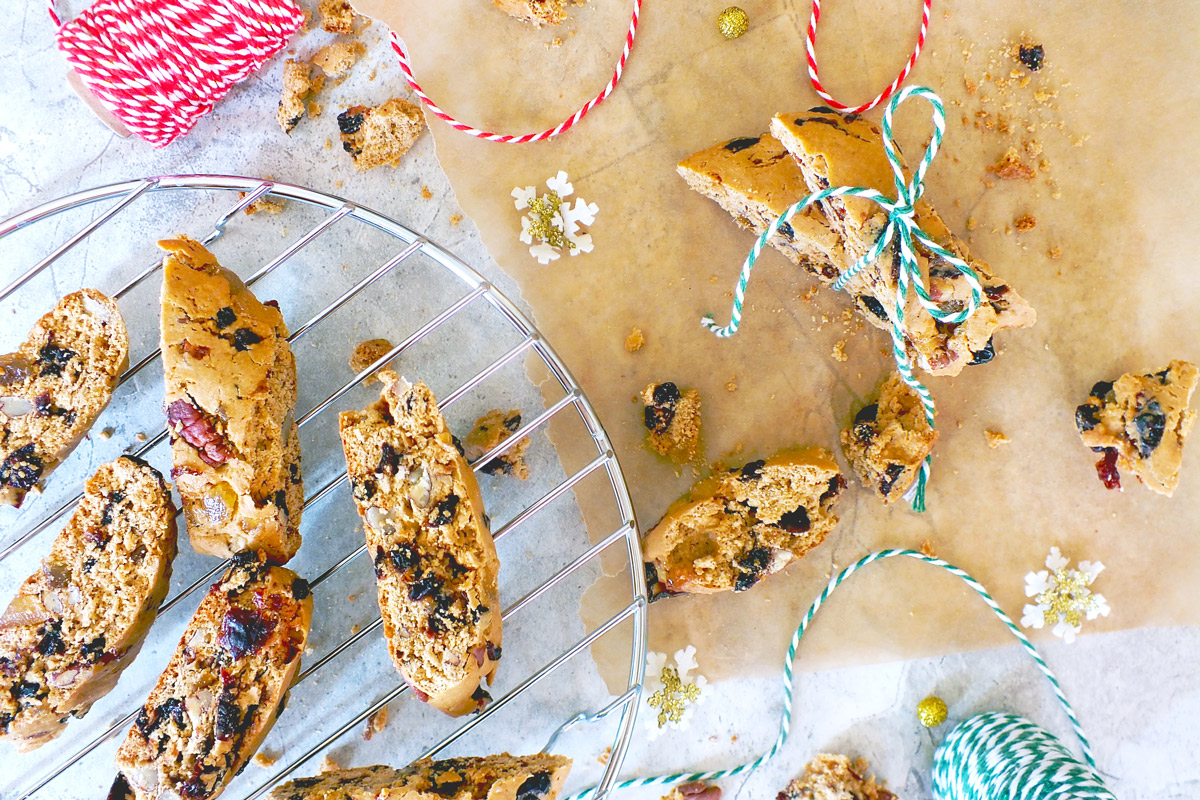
<point x="230" y="394"/>
<point x="78" y="621"/>
<point x="426" y="530"/>
<point x="734" y="529"/>
<point x="55" y="385"/>
<point x="755" y="183"/>
<point x="223" y="688"/>
<point x="501" y="777"/>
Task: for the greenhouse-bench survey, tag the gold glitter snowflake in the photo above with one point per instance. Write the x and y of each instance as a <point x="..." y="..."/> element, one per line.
<point x="672" y="692"/>
<point x="553" y="224"/>
<point x="1063" y="598"/>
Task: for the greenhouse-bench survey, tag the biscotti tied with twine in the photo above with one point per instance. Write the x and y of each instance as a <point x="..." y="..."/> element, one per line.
<point x="435" y="561"/>
<point x="78" y="621"/>
<point x="221" y="691"/>
<point x="230" y="394"/>
<point x="55" y="385"/>
<point x="498" y="777"/>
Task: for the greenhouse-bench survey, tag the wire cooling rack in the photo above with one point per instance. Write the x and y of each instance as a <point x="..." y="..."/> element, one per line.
<point x="476" y="350"/>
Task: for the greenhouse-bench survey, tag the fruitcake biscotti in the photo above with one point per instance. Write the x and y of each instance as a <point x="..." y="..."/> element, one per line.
<point x="221" y="691"/>
<point x="55" y="385"/>
<point x="845" y="150"/>
<point x="502" y="777"/>
<point x="77" y="622"/>
<point x="1139" y="423"/>
<point x="889" y="440"/>
<point x="734" y="529"/>
<point x="230" y="394"/>
<point x="834" y="777"/>
<point x="426" y="530"/>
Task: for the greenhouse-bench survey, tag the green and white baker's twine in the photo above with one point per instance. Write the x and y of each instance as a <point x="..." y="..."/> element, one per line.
<point x="904" y="231"/>
<point x="988" y="757"/>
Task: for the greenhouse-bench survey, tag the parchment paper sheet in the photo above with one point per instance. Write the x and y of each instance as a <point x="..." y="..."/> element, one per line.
<point x="1118" y="124"/>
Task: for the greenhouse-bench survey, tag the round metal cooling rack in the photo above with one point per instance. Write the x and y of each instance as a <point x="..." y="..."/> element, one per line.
<point x="475" y="349"/>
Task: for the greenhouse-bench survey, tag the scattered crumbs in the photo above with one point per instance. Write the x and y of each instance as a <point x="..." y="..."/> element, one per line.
<point x="141" y="437"/>
<point x="1010" y="167"/>
<point x="426" y="193"/>
<point x="635" y="340"/>
<point x="315" y="109"/>
<point x="455" y="219"/>
<point x="263" y="760"/>
<point x="375" y="723"/>
<point x="1079" y="142"/>
<point x="351" y="598"/>
<point x="1055" y="252"/>
<point x="971" y="86"/>
<point x="731" y="386"/>
<point x="555" y="42"/>
<point x="105" y="434"/>
<point x="353" y="629"/>
<point x="972" y="223"/>
<point x="1025" y="222"/>
<point x="839" y="351"/>
<point x="337" y="184"/>
<point x="926" y="548"/>
<point x="995" y="438"/>
<point x="371" y="74"/>
<point x="808" y="294"/>
<point x="328" y="765"/>
<point x="328" y="143"/>
<point x="605" y="756"/>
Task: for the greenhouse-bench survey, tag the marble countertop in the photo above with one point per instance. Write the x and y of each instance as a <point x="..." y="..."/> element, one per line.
<point x="1137" y="693"/>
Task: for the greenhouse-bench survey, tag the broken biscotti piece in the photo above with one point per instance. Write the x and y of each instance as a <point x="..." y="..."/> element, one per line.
<point x="889" y="440"/>
<point x="297" y="85"/>
<point x="755" y="179"/>
<point x="537" y="12"/>
<point x="230" y="392"/>
<point x="337" y="58"/>
<point x="426" y="530"/>
<point x="490" y="430"/>
<point x="836" y="150"/>
<point x="377" y="136"/>
<point x="1139" y="423"/>
<point x="501" y="777"/>
<point x="673" y="420"/>
<point x="367" y="353"/>
<point x="694" y="790"/>
<point x="223" y="688"/>
<point x="833" y="777"/>
<point x="55" y="385"/>
<point x="337" y="16"/>
<point x="77" y="622"/>
<point x="736" y="528"/>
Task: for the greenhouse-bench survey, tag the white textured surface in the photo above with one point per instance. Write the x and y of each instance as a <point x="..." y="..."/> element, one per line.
<point x="1136" y="693"/>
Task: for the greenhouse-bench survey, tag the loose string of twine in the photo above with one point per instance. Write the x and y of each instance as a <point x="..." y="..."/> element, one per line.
<point x="990" y="760"/>
<point x="901" y="229"/>
<point x="811" y="47"/>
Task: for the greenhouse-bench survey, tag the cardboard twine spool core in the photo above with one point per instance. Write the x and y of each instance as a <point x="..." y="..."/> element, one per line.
<point x="95" y="106"/>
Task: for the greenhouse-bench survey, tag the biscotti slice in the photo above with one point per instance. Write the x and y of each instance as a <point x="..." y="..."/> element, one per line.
<point x="426" y="530"/>
<point x="734" y="529"/>
<point x="1139" y="423"/>
<point x="834" y="777"/>
<point x="845" y="150"/>
<point x="222" y="689"/>
<point x="889" y="440"/>
<point x="77" y="622"/>
<point x="489" y="431"/>
<point x="672" y="419"/>
<point x="55" y="385"/>
<point x="536" y="12"/>
<point x="755" y="179"/>
<point x="381" y="135"/>
<point x="230" y="393"/>
<point x="501" y="777"/>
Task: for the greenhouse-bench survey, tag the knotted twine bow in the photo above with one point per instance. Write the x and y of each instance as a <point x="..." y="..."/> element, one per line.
<point x="903" y="230"/>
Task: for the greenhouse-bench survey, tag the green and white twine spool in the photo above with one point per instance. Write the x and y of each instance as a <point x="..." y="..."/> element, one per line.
<point x="987" y="757"/>
<point x="901" y="228"/>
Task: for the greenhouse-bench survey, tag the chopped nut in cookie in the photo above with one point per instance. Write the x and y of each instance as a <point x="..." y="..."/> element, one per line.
<point x="672" y="419"/>
<point x="381" y="135"/>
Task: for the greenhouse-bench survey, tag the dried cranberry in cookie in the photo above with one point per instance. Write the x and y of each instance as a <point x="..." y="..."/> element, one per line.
<point x="230" y="394"/>
<point x="672" y="420"/>
<point x="78" y="621"/>
<point x="55" y="385"/>
<point x="435" y="561"/>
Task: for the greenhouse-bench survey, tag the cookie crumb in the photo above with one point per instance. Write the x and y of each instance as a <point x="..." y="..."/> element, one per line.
<point x="635" y="340"/>
<point x="488" y="432"/>
<point x="926" y="549"/>
<point x="426" y="194"/>
<point x="839" y="351"/>
<point x="336" y="16"/>
<point x="328" y="765"/>
<point x="141" y="437"/>
<point x="263" y="760"/>
<point x="808" y="294"/>
<point x="315" y="109"/>
<point x="338" y="58"/>
<point x="1010" y="167"/>
<point x="381" y="135"/>
<point x="455" y="219"/>
<point x="328" y="144"/>
<point x="297" y="85"/>
<point x="995" y="438"/>
<point x="1055" y="252"/>
<point x="1025" y="222"/>
<point x="695" y="790"/>
<point x="731" y="386"/>
<point x="972" y="223"/>
<point x="605" y="756"/>
<point x="265" y="205"/>
<point x="672" y="420"/>
<point x="105" y="434"/>
<point x="366" y="354"/>
<point x="375" y="723"/>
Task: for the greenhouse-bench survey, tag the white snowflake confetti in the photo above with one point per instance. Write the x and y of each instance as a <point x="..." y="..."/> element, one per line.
<point x="1062" y="597"/>
<point x="671" y="693"/>
<point x="552" y="221"/>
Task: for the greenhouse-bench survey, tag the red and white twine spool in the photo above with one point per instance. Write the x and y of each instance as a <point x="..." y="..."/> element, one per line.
<point x="160" y="65"/>
<point x="567" y="124"/>
<point x="811" y="46"/>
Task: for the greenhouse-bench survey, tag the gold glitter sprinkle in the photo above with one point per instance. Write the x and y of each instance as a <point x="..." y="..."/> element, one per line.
<point x="543" y="210"/>
<point x="672" y="699"/>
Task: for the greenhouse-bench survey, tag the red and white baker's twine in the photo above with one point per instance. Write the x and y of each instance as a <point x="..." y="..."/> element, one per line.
<point x="567" y="124"/>
<point x="811" y="45"/>
<point x="160" y="65"/>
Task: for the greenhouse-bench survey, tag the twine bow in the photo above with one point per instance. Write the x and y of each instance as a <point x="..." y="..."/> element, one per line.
<point x="902" y="229"/>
